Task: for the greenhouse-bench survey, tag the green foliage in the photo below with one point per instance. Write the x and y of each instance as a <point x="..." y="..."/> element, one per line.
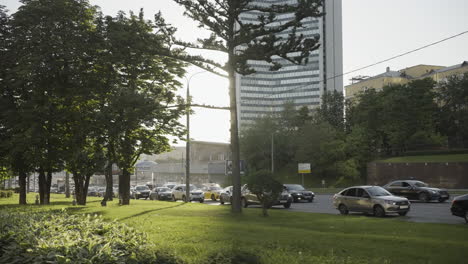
<point x="198" y="232"/>
<point x="452" y="96"/>
<point x="6" y="193"/>
<point x="388" y="127"/>
<point x="265" y="187"/>
<point x="332" y="109"/>
<point x="301" y="137"/>
<point x="95" y="87"/>
<point x="58" y="237"/>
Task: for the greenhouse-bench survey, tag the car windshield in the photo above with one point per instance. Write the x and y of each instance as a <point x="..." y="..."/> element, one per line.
<point x="164" y="189"/>
<point x="378" y="191"/>
<point x="295" y="187"/>
<point x="420" y="184"/>
<point x="142" y="188"/>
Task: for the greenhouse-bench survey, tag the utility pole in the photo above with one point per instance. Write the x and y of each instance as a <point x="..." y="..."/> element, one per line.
<point x="187" y="146"/>
<point x="272" y="153"/>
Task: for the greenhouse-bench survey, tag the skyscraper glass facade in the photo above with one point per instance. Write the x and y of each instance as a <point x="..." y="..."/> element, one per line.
<point x="265" y="91"/>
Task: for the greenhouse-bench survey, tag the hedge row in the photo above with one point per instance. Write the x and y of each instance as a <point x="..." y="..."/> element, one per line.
<point x="6" y="194"/>
<point x="58" y="237"/>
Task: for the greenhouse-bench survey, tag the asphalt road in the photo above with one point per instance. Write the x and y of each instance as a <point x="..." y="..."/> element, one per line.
<point x="432" y="212"/>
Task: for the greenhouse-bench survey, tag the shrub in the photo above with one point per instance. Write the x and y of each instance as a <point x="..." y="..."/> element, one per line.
<point x="58" y="237"/>
<point x="6" y="194"/>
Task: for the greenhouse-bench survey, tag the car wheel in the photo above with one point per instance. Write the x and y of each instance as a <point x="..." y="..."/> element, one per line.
<point x="287" y="205"/>
<point x="183" y="198"/>
<point x="213" y="198"/>
<point x="173" y="198"/>
<point x="441" y="200"/>
<point x="343" y="209"/>
<point x="221" y="200"/>
<point x="230" y="200"/>
<point x="466" y="217"/>
<point x="403" y="213"/>
<point x="244" y="203"/>
<point x="379" y="211"/>
<point x="201" y="201"/>
<point x="294" y="200"/>
<point x="310" y="200"/>
<point x="423" y="197"/>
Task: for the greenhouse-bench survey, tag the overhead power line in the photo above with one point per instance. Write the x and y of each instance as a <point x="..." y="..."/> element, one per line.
<point x="335" y="76"/>
<point x="362" y="68"/>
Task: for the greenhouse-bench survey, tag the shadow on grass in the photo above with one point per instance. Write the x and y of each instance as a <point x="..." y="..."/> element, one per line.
<point x="150" y="211"/>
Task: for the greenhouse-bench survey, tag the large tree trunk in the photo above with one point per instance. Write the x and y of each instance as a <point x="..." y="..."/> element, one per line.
<point x="81" y="187"/>
<point x="22" y="187"/>
<point x="67" y="184"/>
<point x="109" y="182"/>
<point x="124" y="187"/>
<point x="48" y="183"/>
<point x="236" y="183"/>
<point x="42" y="185"/>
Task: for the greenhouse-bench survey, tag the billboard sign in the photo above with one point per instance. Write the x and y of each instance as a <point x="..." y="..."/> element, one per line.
<point x="303" y="167"/>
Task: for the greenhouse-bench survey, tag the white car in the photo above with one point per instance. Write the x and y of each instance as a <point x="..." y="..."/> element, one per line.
<point x="178" y="193"/>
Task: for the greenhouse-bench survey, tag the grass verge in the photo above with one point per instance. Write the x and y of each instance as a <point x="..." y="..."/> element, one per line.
<point x="200" y="233"/>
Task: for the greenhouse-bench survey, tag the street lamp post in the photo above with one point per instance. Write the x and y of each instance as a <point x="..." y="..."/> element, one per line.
<point x="187" y="146"/>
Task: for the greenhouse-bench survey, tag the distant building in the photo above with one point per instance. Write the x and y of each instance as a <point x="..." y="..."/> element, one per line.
<point x="267" y="92"/>
<point x="207" y="164"/>
<point x="437" y="73"/>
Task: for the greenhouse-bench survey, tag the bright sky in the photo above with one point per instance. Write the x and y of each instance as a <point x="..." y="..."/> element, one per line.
<point x="373" y="30"/>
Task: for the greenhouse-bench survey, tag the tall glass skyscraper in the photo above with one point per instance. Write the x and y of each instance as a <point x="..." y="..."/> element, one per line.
<point x="266" y="92"/>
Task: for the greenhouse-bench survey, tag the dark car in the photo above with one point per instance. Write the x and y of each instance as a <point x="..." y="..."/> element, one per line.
<point x="460" y="206"/>
<point x="161" y="193"/>
<point x="142" y="191"/>
<point x="417" y="190"/>
<point x="299" y="193"/>
<point x="248" y="198"/>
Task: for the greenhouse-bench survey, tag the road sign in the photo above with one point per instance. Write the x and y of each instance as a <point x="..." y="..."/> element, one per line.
<point x="304" y="167"/>
<point x="229" y="167"/>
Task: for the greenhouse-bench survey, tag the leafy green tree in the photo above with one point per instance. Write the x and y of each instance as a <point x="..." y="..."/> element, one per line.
<point x="47" y="43"/>
<point x="14" y="150"/>
<point x="243" y="41"/>
<point x="265" y="187"/>
<point x="141" y="82"/>
<point x="324" y="147"/>
<point x="332" y="109"/>
<point x="416" y="111"/>
<point x="452" y="96"/>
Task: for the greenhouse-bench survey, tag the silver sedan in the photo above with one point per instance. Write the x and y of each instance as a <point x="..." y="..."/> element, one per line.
<point x="370" y="199"/>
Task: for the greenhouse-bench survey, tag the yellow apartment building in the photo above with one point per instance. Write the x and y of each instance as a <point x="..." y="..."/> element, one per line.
<point x="438" y="73"/>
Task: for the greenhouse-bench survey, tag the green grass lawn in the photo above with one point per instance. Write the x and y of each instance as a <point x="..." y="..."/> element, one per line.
<point x="196" y="232"/>
<point x="430" y="158"/>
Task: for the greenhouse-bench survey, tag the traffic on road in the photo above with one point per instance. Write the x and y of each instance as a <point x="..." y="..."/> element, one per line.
<point x="408" y="200"/>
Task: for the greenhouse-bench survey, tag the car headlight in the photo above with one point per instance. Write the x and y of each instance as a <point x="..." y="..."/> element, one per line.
<point x="390" y="202"/>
